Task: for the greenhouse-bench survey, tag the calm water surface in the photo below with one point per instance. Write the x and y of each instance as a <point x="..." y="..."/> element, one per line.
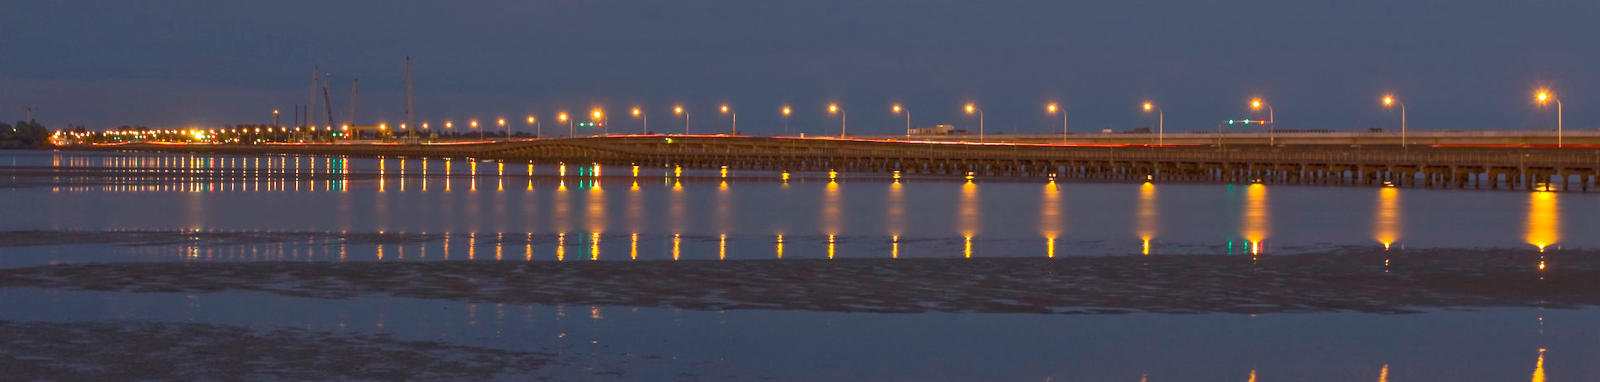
<point x="490" y="209"/>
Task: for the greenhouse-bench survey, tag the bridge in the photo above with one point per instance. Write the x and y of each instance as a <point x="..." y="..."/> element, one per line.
<point x="1530" y="161"/>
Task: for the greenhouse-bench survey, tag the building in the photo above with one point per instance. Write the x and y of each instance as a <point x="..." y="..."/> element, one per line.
<point x="934" y="130"/>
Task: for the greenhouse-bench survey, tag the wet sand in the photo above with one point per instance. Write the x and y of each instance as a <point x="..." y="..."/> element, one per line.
<point x="1340" y="281"/>
<point x="171" y="351"/>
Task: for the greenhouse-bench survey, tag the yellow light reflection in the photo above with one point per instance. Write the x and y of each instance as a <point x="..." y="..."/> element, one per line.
<point x="561" y="247"/>
<point x="595" y="211"/>
<point x="966" y="251"/>
<point x="1256" y="217"/>
<point x="1386" y="222"/>
<point x="897" y="209"/>
<point x="1538" y="367"/>
<point x="780" y="246"/>
<point x="967" y="219"/>
<point x="676" y="241"/>
<point x="1050" y="247"/>
<point x="594" y="246"/>
<point x="1050" y="213"/>
<point x="894" y="247"/>
<point x="722" y="247"/>
<point x="1148" y="216"/>
<point x="1544" y="220"/>
<point x="830" y="246"/>
<point x="633" y="246"/>
<point x="831" y="209"/>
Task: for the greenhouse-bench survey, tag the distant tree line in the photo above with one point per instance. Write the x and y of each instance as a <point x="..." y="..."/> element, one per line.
<point x="24" y="135"/>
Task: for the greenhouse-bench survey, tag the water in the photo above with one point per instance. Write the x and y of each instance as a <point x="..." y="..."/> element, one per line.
<point x="486" y="209"/>
<point x="493" y="211"/>
<point x="1491" y="344"/>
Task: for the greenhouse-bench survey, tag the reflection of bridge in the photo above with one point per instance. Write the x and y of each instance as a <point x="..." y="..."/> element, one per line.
<point x="1573" y="167"/>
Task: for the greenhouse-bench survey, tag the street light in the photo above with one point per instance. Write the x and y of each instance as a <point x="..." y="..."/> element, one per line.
<point x="1544" y="96"/>
<point x="475" y="127"/>
<point x="598" y="116"/>
<point x="786" y="112"/>
<point x="562" y="118"/>
<point x="679" y="110"/>
<point x="1161" y="122"/>
<point x="640" y="114"/>
<point x="1272" y="119"/>
<point x="537" y="130"/>
<point x="897" y="109"/>
<point x="975" y="109"/>
<point x="502" y="122"/>
<point x="1051" y="109"/>
<point x="843" y="117"/>
<point x="1389" y="100"/>
<point x="735" y="118"/>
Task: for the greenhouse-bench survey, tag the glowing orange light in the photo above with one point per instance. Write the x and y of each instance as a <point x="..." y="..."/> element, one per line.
<point x="1255" y="103"/>
<point x="677" y="110"/>
<point x="636" y="111"/>
<point x="562" y="117"/>
<point x="786" y="110"/>
<point x="1050" y="108"/>
<point x="896" y="108"/>
<point x="971" y="108"/>
<point x="1148" y="105"/>
<point x="1543" y="96"/>
<point x="1388" y="100"/>
<point x="724" y="108"/>
<point x="833" y="108"/>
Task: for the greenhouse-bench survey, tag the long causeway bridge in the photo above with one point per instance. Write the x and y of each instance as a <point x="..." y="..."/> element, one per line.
<point x="1520" y="167"/>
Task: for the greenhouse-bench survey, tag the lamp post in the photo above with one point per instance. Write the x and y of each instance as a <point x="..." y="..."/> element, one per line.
<point x="1390" y="100"/>
<point x="562" y="118"/>
<point x="475" y="127"/>
<point x="843" y="117"/>
<point x="502" y="122"/>
<point x="535" y="123"/>
<point x="599" y="117"/>
<point x="1272" y="119"/>
<point x="735" y="116"/>
<point x="448" y="127"/>
<point x="975" y="109"/>
<point x="1161" y="122"/>
<point x="897" y="109"/>
<point x="1051" y="108"/>
<point x="679" y="110"/>
<point x="640" y="114"/>
<point x="786" y="112"/>
<point x="1546" y="96"/>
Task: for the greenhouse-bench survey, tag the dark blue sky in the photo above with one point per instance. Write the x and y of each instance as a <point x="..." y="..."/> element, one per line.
<point x="1467" y="64"/>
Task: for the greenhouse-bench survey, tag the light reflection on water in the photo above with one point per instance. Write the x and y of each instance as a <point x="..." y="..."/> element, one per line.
<point x="816" y="215"/>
